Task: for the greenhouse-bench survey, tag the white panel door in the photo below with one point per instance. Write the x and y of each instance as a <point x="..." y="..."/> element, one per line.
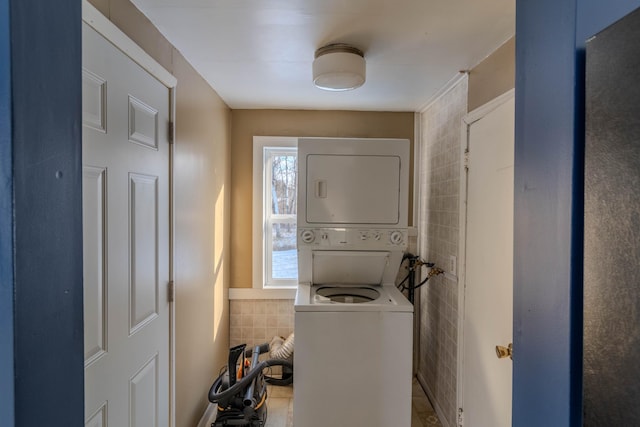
<point x="488" y="310"/>
<point x="126" y="239"/>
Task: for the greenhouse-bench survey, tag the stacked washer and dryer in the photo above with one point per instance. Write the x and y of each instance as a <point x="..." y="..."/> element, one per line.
<point x="353" y="327"/>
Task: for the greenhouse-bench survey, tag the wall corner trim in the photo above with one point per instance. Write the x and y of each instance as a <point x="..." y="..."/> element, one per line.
<point x="453" y="82"/>
<point x="108" y="29"/>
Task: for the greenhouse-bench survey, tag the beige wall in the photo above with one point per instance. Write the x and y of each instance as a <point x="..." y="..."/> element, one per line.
<point x="249" y="123"/>
<point x="493" y="76"/>
<point x="201" y="240"/>
<point x="201" y="176"/>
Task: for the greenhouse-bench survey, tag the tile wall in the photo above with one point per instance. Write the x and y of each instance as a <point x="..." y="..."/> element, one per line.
<point x="254" y="322"/>
<point x="441" y="128"/>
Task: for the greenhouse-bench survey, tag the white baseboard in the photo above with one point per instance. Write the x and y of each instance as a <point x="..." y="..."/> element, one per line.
<point x="209" y="415"/>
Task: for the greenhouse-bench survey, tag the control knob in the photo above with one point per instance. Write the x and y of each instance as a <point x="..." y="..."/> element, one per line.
<point x="307" y="236"/>
<point x="395" y="237"/>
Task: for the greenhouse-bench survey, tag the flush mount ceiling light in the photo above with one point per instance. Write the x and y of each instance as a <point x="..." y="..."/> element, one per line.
<point x="339" y="67"/>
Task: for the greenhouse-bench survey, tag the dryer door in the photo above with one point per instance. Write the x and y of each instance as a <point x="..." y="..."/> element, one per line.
<point x="353" y="189"/>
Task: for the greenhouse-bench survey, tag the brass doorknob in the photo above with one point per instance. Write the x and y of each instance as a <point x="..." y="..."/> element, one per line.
<point x="503" y="352"/>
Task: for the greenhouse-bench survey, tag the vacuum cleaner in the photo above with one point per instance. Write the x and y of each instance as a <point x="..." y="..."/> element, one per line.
<point x="241" y="389"/>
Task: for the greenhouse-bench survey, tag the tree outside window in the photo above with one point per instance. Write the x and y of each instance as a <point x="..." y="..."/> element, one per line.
<point x="281" y="172"/>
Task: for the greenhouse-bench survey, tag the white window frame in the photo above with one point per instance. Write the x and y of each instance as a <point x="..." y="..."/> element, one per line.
<point x="262" y="217"/>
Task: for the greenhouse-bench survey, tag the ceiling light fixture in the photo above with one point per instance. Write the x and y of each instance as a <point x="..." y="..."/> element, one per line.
<point x="339" y="67"/>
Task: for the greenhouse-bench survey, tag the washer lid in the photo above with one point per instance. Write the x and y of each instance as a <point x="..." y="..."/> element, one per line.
<point x="349" y="267"/>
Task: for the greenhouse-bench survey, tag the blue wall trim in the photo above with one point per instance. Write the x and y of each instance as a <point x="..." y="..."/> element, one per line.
<point x="549" y="211"/>
<point x="544" y="156"/>
<point x="6" y="224"/>
<point x="47" y="180"/>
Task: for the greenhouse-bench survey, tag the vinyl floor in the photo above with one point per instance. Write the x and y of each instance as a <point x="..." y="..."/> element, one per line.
<point x="280" y="407"/>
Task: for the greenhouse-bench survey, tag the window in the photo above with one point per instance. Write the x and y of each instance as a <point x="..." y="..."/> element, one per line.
<point x="275" y="257"/>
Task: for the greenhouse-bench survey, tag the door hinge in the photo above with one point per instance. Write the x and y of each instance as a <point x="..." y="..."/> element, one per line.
<point x="171" y="291"/>
<point x="171" y="131"/>
<point x="466" y="159"/>
<point x="460" y="417"/>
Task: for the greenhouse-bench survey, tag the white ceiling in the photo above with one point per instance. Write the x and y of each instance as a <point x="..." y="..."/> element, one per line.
<point x="258" y="53"/>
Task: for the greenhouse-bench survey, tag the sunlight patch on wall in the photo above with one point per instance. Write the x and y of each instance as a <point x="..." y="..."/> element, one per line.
<point x="218" y="251"/>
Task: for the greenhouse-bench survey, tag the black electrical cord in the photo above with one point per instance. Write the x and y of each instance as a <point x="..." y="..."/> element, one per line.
<point x="285" y="379"/>
<point x="401" y="284"/>
<point x="407" y="256"/>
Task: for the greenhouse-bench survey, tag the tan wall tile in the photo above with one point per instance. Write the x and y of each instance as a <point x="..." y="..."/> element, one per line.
<point x="439" y="239"/>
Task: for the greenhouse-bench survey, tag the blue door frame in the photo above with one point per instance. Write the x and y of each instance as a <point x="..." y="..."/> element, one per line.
<point x="6" y="223"/>
<point x="41" y="356"/>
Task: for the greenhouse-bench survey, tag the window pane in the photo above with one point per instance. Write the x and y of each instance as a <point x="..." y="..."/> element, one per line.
<point x="284" y="175"/>
<point x="284" y="255"/>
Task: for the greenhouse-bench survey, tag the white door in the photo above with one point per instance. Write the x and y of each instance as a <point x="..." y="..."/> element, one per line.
<point x="488" y="295"/>
<point x="126" y="239"/>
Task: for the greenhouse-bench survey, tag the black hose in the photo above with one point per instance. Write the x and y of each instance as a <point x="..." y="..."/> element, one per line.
<point x="215" y="397"/>
<point x="421" y="283"/>
<point x="278" y="381"/>
<point x="248" y="396"/>
<point x="414" y="262"/>
<point x="285" y="379"/>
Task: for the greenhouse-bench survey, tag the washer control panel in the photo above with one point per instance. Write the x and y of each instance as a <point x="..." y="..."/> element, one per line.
<point x="353" y="238"/>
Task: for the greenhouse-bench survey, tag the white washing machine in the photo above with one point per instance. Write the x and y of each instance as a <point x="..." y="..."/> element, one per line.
<point x="353" y="327"/>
